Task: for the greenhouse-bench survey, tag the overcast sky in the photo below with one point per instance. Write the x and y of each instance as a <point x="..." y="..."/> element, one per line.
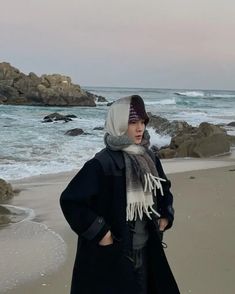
<point x="137" y="43"/>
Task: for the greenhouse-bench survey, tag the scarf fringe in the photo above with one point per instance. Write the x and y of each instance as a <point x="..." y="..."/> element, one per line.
<point x="152" y="183"/>
<point x="137" y="209"/>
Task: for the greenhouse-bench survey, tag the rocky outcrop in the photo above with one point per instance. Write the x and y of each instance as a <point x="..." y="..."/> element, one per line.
<point x="3" y="99"/>
<point x="6" y="191"/>
<point x="205" y="141"/>
<point x="164" y="126"/>
<point x="188" y="141"/>
<point x="49" y="90"/>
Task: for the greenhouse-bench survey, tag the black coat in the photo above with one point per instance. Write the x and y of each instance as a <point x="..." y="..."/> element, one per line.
<point x="95" y="202"/>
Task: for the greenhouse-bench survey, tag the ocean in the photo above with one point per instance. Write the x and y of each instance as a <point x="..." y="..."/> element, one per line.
<point x="30" y="147"/>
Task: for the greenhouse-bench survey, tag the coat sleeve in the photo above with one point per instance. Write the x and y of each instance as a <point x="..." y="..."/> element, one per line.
<point x="165" y="203"/>
<point x="76" y="199"/>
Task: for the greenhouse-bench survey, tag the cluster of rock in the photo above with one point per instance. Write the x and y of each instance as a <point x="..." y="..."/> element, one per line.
<point x="188" y="141"/>
<point x="55" y="116"/>
<point x="6" y="194"/>
<point x="47" y="90"/>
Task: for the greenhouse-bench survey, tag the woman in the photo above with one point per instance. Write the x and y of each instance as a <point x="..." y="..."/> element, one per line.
<point x="119" y="204"/>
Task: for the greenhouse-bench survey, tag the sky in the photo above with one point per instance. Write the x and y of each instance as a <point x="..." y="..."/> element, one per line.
<point x="184" y="44"/>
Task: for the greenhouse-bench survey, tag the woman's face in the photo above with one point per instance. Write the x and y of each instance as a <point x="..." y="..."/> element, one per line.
<point x="135" y="131"/>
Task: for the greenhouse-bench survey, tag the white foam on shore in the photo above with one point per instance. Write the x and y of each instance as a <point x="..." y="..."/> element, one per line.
<point x="29" y="251"/>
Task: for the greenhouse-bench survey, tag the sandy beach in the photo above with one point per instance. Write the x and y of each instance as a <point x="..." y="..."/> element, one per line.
<point x="200" y="246"/>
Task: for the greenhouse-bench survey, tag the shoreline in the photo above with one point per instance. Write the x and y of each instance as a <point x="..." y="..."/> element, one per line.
<point x="173" y="165"/>
<point x="206" y="229"/>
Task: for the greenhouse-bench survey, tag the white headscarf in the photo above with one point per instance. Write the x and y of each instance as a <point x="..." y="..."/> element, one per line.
<point x="117" y="118"/>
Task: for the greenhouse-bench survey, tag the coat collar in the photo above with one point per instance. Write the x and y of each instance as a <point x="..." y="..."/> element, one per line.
<point x="117" y="157"/>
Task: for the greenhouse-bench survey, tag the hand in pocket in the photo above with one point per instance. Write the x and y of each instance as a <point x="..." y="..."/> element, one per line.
<point x="106" y="240"/>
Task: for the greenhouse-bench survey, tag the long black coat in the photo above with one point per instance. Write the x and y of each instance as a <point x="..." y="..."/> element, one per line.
<point x="95" y="202"/>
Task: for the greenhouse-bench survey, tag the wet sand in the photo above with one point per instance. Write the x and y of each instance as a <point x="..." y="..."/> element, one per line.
<point x="200" y="246"/>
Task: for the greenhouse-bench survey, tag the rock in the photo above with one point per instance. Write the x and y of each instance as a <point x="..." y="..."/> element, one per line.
<point x="71" y="116"/>
<point x="98" y="129"/>
<point x="231" y="124"/>
<point x="166" y="153"/>
<point x="9" y="214"/>
<point x="155" y="149"/>
<point x="4" y="219"/>
<point x="231" y="140"/>
<point x="205" y="141"/>
<point x="8" y="72"/>
<point x="53" y="90"/>
<point x="10" y="93"/>
<point x="101" y="99"/>
<point x="74" y="132"/>
<point x="110" y="103"/>
<point x="6" y="192"/>
<point x="164" y="126"/>
<point x="56" y="117"/>
<point x="2" y="99"/>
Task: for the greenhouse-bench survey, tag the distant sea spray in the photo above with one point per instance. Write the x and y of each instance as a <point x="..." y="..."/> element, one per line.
<point x="29" y="147"/>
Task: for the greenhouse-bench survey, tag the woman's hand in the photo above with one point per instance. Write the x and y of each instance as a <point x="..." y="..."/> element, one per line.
<point x="163" y="222"/>
<point x="107" y="239"/>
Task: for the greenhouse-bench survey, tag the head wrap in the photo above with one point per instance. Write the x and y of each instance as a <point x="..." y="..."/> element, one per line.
<point x="142" y="179"/>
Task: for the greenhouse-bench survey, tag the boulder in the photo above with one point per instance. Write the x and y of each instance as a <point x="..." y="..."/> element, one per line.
<point x="56" y="117"/>
<point x="2" y="99"/>
<point x="4" y="216"/>
<point x="207" y="140"/>
<point x="166" y="153"/>
<point x="6" y="191"/>
<point x="9" y="214"/>
<point x="75" y="132"/>
<point x="101" y="99"/>
<point x="164" y="126"/>
<point x="231" y="140"/>
<point x="53" y="90"/>
<point x="231" y="124"/>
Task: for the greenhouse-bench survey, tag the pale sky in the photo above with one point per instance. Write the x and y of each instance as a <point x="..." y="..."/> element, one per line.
<point x="126" y="43"/>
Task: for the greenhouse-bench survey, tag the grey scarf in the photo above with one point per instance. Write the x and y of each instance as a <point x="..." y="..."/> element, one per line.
<point x="142" y="179"/>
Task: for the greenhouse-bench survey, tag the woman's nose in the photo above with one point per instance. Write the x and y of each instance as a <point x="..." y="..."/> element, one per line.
<point x="140" y="127"/>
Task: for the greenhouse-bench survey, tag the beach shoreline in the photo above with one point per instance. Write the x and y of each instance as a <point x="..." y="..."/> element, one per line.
<point x="203" y="226"/>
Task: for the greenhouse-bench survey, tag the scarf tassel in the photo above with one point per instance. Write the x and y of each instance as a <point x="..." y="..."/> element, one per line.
<point x="152" y="183"/>
<point x="138" y="209"/>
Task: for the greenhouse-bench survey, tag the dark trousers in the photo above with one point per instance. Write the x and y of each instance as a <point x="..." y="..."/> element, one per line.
<point x="140" y="264"/>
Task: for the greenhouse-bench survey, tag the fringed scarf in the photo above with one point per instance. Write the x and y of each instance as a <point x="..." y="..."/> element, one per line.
<point x="142" y="179"/>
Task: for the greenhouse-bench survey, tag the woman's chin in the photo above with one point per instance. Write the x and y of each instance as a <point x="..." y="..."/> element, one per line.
<point x="138" y="141"/>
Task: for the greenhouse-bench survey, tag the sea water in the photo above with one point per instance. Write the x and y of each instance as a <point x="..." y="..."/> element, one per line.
<point x="30" y="147"/>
